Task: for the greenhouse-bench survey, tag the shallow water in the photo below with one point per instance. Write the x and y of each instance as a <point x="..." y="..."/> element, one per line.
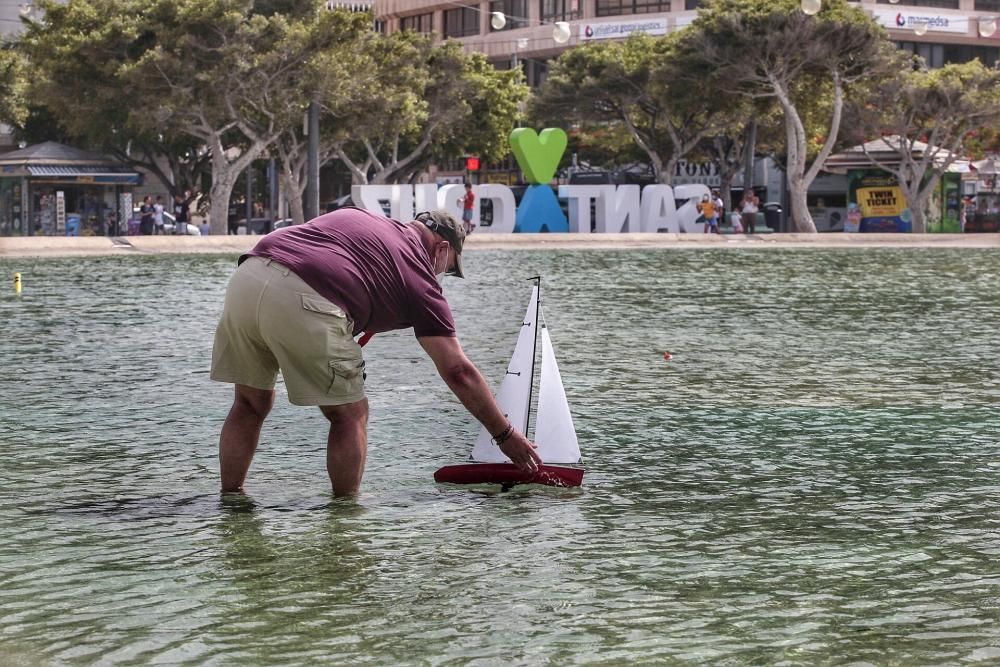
<point x="812" y="478"/>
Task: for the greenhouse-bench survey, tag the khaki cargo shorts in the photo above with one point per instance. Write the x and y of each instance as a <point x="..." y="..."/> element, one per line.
<point x="272" y="320"/>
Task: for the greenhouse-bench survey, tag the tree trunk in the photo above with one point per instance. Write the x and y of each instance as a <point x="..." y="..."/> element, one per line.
<point x="799" y="178"/>
<point x="801" y="219"/>
<point x="293" y="191"/>
<point x="798" y="184"/>
<point x="224" y="177"/>
<point x="664" y="172"/>
<point x="219" y="211"/>
<point x="919" y="216"/>
<point x="749" y="151"/>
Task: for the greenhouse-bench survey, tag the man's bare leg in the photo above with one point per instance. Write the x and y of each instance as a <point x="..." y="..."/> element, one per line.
<point x="240" y="434"/>
<point x="346" y="445"/>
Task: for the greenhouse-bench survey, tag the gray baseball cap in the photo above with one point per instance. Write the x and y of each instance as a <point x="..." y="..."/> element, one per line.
<point x="445" y="225"/>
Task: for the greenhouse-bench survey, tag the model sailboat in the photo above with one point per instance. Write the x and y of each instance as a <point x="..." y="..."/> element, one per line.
<point x="555" y="435"/>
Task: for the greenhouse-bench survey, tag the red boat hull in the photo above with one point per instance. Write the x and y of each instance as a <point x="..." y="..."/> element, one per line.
<point x="508" y="475"/>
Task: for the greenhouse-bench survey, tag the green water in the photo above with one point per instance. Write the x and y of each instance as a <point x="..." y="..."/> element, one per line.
<point x="811" y="480"/>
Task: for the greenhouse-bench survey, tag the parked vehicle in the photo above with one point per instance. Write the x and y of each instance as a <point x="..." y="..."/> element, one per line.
<point x="256" y="226"/>
<point x="340" y="202"/>
<point x="170" y="222"/>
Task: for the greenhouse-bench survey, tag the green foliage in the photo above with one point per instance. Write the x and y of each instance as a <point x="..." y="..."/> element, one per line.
<point x="425" y="102"/>
<point x="951" y="110"/>
<point x="176" y="77"/>
<point x="633" y="86"/>
<point x="751" y="46"/>
<point x="13" y="87"/>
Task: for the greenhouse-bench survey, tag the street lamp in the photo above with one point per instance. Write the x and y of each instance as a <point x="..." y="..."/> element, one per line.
<point x="987" y="26"/>
<point x="560" y="29"/>
<point x="560" y="33"/>
<point x="811" y="7"/>
<point x="920" y="27"/>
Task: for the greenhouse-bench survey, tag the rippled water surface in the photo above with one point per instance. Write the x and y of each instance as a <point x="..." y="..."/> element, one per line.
<point x="813" y="479"/>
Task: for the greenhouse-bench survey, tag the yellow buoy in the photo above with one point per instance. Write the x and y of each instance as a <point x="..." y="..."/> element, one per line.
<point x="17" y="283"/>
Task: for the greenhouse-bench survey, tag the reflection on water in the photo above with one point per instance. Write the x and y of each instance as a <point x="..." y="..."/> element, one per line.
<point x="811" y="478"/>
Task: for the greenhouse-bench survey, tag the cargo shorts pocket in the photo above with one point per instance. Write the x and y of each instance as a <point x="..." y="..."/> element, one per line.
<point x="347" y="378"/>
<point x="317" y="304"/>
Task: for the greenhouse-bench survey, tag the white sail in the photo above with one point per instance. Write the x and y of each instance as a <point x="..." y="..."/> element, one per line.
<point x="515" y="389"/>
<point x="554" y="431"/>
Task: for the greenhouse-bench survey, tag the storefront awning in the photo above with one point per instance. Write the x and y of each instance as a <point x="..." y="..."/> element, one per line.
<point x="84" y="174"/>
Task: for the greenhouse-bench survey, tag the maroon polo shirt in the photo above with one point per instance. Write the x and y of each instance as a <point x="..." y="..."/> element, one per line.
<point x="373" y="267"/>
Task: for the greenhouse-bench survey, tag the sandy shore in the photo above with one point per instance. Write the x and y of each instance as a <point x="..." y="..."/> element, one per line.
<point x="56" y="246"/>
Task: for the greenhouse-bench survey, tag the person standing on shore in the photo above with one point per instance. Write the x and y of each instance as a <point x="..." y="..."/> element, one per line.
<point x="296" y="302"/>
<point x="748" y="208"/>
<point x="146" y="223"/>
<point x="468" y="203"/>
<point x="720" y="208"/>
<point x="158" y="214"/>
<point x="181" y="212"/>
<point x="706" y="207"/>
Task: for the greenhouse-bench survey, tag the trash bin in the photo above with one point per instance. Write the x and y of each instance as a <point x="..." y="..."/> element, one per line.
<point x="772" y="215"/>
<point x="133" y="226"/>
<point x="72" y="225"/>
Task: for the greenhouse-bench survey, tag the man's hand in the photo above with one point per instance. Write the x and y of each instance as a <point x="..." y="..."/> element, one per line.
<point x="463" y="378"/>
<point x="521" y="451"/>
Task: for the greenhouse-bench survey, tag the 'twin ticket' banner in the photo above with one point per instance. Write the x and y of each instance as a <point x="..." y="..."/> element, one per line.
<point x="880" y="201"/>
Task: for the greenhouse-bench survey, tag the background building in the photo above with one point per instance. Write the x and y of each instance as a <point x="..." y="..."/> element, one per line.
<point x="942" y="31"/>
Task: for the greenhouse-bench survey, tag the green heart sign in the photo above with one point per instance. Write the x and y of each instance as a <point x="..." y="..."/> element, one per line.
<point x="538" y="155"/>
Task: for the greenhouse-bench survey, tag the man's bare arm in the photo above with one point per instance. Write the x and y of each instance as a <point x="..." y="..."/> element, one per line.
<point x="467" y="383"/>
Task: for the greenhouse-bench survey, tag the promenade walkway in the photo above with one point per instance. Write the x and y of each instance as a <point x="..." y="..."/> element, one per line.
<point x="59" y="246"/>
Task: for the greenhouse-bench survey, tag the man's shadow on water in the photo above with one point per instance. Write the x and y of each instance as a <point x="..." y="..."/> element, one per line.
<point x="288" y="588"/>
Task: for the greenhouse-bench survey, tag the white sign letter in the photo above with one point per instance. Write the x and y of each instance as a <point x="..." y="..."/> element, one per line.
<point x="659" y="210"/>
<point x="504" y="208"/>
<point x="618" y="209"/>
<point x="688" y="213"/>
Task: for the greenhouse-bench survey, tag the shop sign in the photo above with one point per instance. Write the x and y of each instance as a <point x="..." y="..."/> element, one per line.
<point x="60" y="211"/>
<point x="684" y="21"/>
<point x="124" y="210"/>
<point x="706" y="173"/>
<point x="621" y="29"/>
<point x="876" y="203"/>
<point x="907" y="20"/>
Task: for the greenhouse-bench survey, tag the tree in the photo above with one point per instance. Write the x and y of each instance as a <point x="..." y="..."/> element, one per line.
<point x="233" y="79"/>
<point x="76" y="57"/>
<point x="427" y="102"/>
<point x="631" y="84"/>
<point x="771" y="49"/>
<point x="205" y="77"/>
<point x="13" y="87"/>
<point x="341" y="83"/>
<point x="934" y="120"/>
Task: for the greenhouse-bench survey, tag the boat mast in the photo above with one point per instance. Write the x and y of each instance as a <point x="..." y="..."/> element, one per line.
<point x="534" y="351"/>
